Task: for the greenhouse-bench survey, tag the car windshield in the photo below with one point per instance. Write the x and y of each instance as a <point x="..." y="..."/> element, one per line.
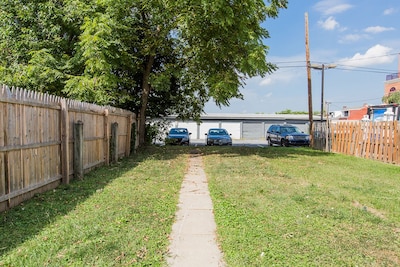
<point x="178" y="131"/>
<point x="217" y="132"/>
<point x="290" y="130"/>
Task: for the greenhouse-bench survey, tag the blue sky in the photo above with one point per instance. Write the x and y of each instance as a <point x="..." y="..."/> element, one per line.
<point x="360" y="37"/>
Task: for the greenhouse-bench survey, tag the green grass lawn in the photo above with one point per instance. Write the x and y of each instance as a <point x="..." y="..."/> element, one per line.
<point x="299" y="207"/>
<point x="273" y="206"/>
<point x="117" y="216"/>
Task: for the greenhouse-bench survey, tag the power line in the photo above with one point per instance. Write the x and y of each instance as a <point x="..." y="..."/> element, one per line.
<point x="348" y="68"/>
<point x="344" y="66"/>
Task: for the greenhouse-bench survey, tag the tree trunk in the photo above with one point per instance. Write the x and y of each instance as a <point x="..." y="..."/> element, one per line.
<point x="145" y="97"/>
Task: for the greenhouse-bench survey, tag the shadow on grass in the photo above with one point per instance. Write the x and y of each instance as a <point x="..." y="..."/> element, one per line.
<point x="29" y="218"/>
<point x="272" y="152"/>
<point x="26" y="220"/>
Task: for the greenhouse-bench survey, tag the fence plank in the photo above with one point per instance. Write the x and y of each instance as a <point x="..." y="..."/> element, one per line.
<point x="396" y="144"/>
<point x="372" y="140"/>
<point x="36" y="140"/>
<point x="64" y="127"/>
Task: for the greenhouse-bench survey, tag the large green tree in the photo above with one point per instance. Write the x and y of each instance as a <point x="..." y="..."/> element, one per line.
<point x="154" y="57"/>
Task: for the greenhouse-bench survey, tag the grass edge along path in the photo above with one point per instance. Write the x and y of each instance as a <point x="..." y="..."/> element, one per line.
<point x="300" y="207"/>
<point x="119" y="215"/>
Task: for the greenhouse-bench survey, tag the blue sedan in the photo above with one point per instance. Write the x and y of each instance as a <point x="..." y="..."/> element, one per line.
<point x="178" y="136"/>
<point x="218" y="136"/>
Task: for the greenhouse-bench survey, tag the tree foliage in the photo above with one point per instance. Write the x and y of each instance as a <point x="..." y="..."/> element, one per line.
<point x="393" y="98"/>
<point x="153" y="57"/>
<point x="289" y="111"/>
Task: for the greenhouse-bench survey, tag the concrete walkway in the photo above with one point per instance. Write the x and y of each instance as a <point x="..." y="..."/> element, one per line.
<point x="193" y="237"/>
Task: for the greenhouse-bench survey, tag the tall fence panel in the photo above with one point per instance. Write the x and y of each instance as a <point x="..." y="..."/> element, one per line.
<point x="36" y="141"/>
<point x="372" y="140"/>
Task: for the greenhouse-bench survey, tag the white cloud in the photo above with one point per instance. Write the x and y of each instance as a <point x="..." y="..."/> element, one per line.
<point x="378" y="29"/>
<point x="389" y="11"/>
<point x="329" y="7"/>
<point x="329" y="24"/>
<point x="266" y="81"/>
<point x="284" y="76"/>
<point x="351" y="38"/>
<point x="376" y="55"/>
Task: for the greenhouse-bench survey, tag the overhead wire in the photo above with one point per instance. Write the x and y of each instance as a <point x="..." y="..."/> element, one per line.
<point x="346" y="68"/>
<point x="341" y="65"/>
<point x="286" y="65"/>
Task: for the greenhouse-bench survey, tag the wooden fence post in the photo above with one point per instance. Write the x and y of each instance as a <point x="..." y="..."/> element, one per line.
<point x="106" y="138"/>
<point x="78" y="150"/>
<point x="137" y="132"/>
<point x="64" y="142"/>
<point x="128" y="136"/>
<point x="114" y="142"/>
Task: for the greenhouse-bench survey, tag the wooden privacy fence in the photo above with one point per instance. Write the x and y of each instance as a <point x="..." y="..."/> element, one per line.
<point x="38" y="145"/>
<point x="371" y="140"/>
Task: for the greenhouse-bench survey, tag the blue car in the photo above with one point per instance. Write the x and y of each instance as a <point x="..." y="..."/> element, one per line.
<point x="178" y="136"/>
<point x="218" y="136"/>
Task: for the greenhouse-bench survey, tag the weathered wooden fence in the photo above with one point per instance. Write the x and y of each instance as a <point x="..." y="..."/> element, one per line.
<point x="372" y="140"/>
<point x="38" y="150"/>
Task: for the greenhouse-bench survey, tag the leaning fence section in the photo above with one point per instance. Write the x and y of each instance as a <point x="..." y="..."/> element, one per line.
<point x="37" y="144"/>
<point x="372" y="140"/>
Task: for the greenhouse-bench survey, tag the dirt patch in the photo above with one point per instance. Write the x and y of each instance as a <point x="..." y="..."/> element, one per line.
<point x="194" y="152"/>
<point x="369" y="209"/>
<point x="385" y="258"/>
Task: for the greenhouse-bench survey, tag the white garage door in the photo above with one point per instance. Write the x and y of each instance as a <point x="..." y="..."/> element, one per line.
<point x="253" y="130"/>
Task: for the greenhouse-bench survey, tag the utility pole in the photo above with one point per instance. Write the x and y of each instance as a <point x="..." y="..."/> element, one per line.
<point x="322" y="67"/>
<point x="310" y="110"/>
<point x="327" y="134"/>
<point x="322" y="92"/>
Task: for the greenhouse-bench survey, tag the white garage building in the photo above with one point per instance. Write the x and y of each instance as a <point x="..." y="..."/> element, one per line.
<point x="241" y="126"/>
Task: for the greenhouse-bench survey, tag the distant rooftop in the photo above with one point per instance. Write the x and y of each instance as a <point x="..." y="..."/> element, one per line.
<point x="392" y="76"/>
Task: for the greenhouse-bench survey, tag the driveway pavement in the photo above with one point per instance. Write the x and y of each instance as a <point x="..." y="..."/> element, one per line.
<point x="235" y="142"/>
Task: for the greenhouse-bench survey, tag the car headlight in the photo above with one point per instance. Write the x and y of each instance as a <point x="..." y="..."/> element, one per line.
<point x="289" y="137"/>
<point x="308" y="138"/>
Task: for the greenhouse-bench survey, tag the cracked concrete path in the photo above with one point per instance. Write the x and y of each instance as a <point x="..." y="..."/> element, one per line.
<point x="193" y="237"/>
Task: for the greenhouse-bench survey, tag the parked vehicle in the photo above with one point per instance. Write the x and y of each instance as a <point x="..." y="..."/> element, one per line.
<point x="178" y="136"/>
<point x="286" y="135"/>
<point x="218" y="136"/>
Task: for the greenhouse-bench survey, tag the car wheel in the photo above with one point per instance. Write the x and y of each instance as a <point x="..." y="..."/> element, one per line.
<point x="283" y="143"/>
<point x="269" y="142"/>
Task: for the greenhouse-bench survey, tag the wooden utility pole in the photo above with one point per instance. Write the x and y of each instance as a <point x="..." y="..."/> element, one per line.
<point x="310" y="110"/>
